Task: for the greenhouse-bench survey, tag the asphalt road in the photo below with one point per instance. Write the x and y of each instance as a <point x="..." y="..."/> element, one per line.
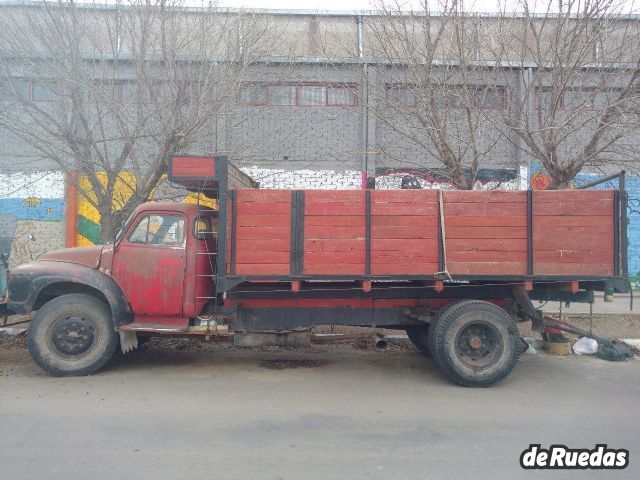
<point x="358" y="414"/>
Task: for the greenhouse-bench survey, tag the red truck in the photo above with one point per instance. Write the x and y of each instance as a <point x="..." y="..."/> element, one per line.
<point x="455" y="269"/>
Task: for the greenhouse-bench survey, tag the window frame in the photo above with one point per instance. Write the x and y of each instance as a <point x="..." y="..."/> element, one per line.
<point x="30" y="82"/>
<point x="297" y="97"/>
<point x="593" y="91"/>
<point x="503" y="90"/>
<point x="138" y="220"/>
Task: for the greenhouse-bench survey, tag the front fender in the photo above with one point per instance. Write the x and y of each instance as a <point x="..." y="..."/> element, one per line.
<point x="27" y="281"/>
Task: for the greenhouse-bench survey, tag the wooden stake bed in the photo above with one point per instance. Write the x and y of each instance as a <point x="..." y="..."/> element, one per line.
<point x="285" y="235"/>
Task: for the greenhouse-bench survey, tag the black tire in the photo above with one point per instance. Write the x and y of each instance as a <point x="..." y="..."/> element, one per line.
<point x="475" y="343"/>
<point x="419" y="336"/>
<point x="72" y="335"/>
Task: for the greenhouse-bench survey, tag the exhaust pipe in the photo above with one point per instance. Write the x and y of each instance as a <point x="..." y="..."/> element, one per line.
<point x="380" y="342"/>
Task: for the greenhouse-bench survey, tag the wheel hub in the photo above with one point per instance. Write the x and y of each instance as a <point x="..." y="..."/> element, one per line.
<point x="72" y="336"/>
<point x="478" y="345"/>
<point x="475" y="342"/>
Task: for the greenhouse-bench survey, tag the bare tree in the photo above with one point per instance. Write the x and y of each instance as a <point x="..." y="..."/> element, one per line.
<point x="441" y="98"/>
<point x="578" y="62"/>
<point x="106" y="89"/>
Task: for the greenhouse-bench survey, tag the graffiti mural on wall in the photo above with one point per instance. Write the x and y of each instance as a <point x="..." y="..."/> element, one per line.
<point x="89" y="217"/>
<point x="31" y="214"/>
<point x="486" y="179"/>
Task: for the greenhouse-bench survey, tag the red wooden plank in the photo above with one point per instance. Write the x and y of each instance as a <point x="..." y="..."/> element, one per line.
<point x="483" y="209"/>
<point x="333" y="245"/>
<point x="266" y="245"/>
<point x="404" y="257"/>
<point x="494" y="196"/>
<point x="575" y="197"/>
<point x="404" y="232"/>
<point x="334" y="208"/>
<point x="332" y="258"/>
<point x="605" y="231"/>
<point x="404" y="196"/>
<point x="246" y="220"/>
<point x="408" y="269"/>
<point x="400" y="245"/>
<point x="571" y="221"/>
<point x="262" y="269"/>
<point x="262" y="257"/>
<point x="486" y="232"/>
<point x="573" y="256"/>
<point x="259" y="208"/>
<point x="575" y="242"/>
<point x="487" y="256"/>
<point x="252" y="233"/>
<point x="486" y="221"/>
<point x="543" y="268"/>
<point x="314" y="197"/>
<point x="430" y="209"/>
<point x="334" y="221"/>
<point x="573" y="209"/>
<point x="263" y="196"/>
<point x="404" y="221"/>
<point x="201" y="167"/>
<point x="315" y="231"/>
<point x="493" y="244"/>
<point x="487" y="268"/>
<point x="334" y="269"/>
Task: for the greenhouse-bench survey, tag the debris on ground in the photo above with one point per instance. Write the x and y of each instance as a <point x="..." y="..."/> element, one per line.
<point x="585" y="346"/>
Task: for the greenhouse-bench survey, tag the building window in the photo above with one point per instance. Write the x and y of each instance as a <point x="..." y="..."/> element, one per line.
<point x="253" y="95"/>
<point x="492" y="98"/>
<point x="301" y="95"/>
<point x="341" y="96"/>
<point x="310" y="95"/>
<point x="282" y="94"/>
<point x="398" y="96"/>
<point x="31" y="90"/>
<point x="572" y="100"/>
<point x="544" y="100"/>
<point x="449" y="97"/>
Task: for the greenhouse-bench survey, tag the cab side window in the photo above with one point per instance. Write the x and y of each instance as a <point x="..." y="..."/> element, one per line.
<point x="165" y="230"/>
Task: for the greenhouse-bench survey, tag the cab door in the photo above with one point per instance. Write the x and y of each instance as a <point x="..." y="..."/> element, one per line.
<point x="149" y="264"/>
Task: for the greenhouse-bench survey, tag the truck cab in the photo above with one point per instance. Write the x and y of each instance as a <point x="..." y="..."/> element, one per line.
<point x="162" y="262"/>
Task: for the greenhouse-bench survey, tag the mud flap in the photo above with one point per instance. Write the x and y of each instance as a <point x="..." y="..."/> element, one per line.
<point x="128" y="341"/>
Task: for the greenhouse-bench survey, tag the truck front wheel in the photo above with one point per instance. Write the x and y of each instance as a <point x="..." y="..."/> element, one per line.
<point x="72" y="335"/>
<point x="475" y="343"/>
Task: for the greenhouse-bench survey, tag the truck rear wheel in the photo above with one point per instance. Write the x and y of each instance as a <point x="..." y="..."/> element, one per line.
<point x="419" y="336"/>
<point x="475" y="343"/>
<point x="72" y="335"/>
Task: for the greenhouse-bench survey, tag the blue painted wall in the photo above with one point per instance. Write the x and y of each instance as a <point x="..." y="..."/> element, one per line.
<point x="633" y="229"/>
<point x="46" y="209"/>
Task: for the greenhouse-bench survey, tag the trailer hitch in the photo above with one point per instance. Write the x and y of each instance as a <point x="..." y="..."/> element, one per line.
<point x="608" y="349"/>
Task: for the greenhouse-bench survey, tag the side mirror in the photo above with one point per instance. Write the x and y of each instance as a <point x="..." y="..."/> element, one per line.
<point x="118" y="234"/>
<point x="203" y="229"/>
